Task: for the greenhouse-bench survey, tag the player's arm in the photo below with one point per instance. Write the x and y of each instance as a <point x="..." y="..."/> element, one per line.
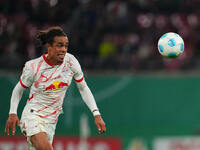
<point x="13" y="120"/>
<point x="26" y="81"/>
<point x="88" y="98"/>
<point x="86" y="94"/>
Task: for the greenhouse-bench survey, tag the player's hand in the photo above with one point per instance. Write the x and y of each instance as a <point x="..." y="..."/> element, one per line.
<point x="12" y="121"/>
<point x="100" y="124"/>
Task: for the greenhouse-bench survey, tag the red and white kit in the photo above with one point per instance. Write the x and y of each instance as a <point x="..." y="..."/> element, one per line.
<point x="48" y="85"/>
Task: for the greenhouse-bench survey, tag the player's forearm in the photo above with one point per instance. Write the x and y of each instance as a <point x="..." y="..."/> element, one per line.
<point x="15" y="98"/>
<point x="88" y="97"/>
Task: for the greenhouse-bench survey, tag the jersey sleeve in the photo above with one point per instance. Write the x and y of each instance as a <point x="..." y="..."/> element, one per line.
<point x="76" y="68"/>
<point x="27" y="76"/>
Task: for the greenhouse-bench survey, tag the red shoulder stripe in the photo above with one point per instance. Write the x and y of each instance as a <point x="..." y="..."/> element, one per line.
<point x="79" y="80"/>
<point x="24" y="86"/>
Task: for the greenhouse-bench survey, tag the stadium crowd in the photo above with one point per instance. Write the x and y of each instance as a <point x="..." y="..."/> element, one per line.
<point x="103" y="34"/>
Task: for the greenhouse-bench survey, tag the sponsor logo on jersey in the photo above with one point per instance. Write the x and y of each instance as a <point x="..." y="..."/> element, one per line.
<point x="56" y="85"/>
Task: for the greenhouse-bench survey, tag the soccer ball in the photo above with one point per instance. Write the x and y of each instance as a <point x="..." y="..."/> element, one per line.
<point x="171" y="45"/>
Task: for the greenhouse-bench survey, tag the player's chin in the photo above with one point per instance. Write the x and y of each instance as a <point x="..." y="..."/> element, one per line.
<point x="60" y="59"/>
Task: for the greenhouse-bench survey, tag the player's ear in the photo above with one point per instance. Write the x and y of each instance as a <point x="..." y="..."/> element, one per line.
<point x="48" y="45"/>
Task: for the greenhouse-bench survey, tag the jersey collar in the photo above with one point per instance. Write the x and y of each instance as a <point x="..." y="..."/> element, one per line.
<point x="46" y="60"/>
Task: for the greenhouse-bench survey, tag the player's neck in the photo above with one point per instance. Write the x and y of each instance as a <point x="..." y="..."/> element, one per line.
<point x="53" y="61"/>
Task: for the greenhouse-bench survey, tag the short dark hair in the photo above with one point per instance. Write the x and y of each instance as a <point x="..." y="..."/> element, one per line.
<point x="47" y="36"/>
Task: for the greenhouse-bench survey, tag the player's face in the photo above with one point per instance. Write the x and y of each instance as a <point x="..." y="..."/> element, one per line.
<point x="58" y="49"/>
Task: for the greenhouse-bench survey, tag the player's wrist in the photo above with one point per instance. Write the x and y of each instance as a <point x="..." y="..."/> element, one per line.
<point x="96" y="112"/>
<point x="13" y="116"/>
<point x="12" y="112"/>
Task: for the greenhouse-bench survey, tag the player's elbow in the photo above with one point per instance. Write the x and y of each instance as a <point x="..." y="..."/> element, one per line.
<point x="82" y="86"/>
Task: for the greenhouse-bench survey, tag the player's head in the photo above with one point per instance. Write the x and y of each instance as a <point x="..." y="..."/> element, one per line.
<point x="56" y="41"/>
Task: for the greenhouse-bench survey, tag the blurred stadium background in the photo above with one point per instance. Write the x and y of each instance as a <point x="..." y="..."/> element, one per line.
<point x="147" y="102"/>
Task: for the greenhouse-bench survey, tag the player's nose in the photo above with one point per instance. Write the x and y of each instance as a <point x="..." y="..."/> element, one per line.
<point x="63" y="50"/>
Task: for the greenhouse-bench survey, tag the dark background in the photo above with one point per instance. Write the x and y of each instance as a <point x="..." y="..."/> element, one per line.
<point x="105" y="35"/>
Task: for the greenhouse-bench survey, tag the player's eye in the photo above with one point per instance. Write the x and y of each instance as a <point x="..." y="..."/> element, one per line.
<point x="60" y="45"/>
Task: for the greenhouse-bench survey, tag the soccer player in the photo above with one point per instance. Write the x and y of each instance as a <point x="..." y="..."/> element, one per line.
<point x="48" y="78"/>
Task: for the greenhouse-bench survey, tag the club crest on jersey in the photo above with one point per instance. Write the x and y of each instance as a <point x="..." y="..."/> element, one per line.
<point x="56" y="85"/>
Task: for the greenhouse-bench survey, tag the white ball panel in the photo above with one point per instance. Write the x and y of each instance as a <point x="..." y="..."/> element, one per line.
<point x="171" y="44"/>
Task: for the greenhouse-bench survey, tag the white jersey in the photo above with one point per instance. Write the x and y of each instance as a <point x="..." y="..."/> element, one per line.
<point x="48" y="85"/>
